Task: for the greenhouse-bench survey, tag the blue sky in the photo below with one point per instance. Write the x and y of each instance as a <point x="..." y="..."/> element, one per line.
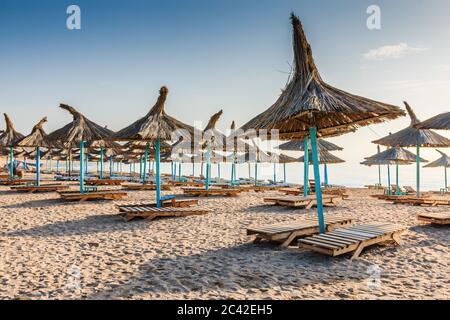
<point x="232" y="55"/>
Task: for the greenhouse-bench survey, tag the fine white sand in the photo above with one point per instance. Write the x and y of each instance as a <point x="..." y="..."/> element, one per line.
<point x="55" y="250"/>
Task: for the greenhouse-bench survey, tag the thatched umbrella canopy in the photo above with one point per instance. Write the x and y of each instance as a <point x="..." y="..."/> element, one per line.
<point x="325" y="157"/>
<point x="439" y="122"/>
<point x="414" y="137"/>
<point x="309" y="106"/>
<point x="8" y="139"/>
<point x="443" y="161"/>
<point x="307" y="102"/>
<point x="156" y="125"/>
<point x="396" y="154"/>
<point x="37" y="138"/>
<point x="299" y="145"/>
<point x="80" y="131"/>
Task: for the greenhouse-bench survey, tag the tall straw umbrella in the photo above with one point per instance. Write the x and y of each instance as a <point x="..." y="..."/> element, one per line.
<point x="79" y="132"/>
<point x="443" y="161"/>
<point x="156" y="125"/>
<point x="309" y="106"/>
<point x="439" y="122"/>
<point x="8" y="139"/>
<point x="398" y="156"/>
<point x="414" y="137"/>
<point x="37" y="139"/>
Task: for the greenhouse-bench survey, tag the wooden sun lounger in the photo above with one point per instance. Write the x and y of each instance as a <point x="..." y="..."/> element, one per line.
<point x="302" y="202"/>
<point x="298" y="192"/>
<point x="42" y="188"/>
<point x="202" y="192"/>
<point x="353" y="239"/>
<point x="422" y="201"/>
<point x="173" y="203"/>
<point x="97" y="195"/>
<point x="442" y="218"/>
<point x="146" y="187"/>
<point x="288" y="232"/>
<point x="104" y="182"/>
<point x="15" y="182"/>
<point x="150" y="212"/>
<point x="186" y="183"/>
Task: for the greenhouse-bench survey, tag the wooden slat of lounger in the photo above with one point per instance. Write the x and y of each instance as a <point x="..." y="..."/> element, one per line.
<point x="312" y="241"/>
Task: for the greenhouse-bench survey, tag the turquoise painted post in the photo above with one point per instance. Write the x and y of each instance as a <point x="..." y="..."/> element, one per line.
<point x="179" y="170"/>
<point x="11" y="165"/>
<point x="208" y="155"/>
<point x="101" y="163"/>
<point x="389" y="178"/>
<point x="38" y="166"/>
<point x="81" y="167"/>
<point x="397" y="189"/>
<point x="232" y="169"/>
<point x="325" y="174"/>
<point x="144" y="176"/>
<point x="284" y="171"/>
<point x="158" y="182"/>
<point x="418" y="170"/>
<point x="25" y="164"/>
<point x="313" y="134"/>
<point x="140" y="167"/>
<point x="275" y="173"/>
<point x="305" y="166"/>
<point x="111" y="169"/>
<point x="256" y="173"/>
<point x="445" y="170"/>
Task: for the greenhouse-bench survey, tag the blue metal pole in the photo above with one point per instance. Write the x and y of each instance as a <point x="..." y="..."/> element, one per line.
<point x="305" y="166"/>
<point x="313" y="134"/>
<point x="397" y="189"/>
<point x="11" y="169"/>
<point x="325" y="174"/>
<point x="111" y="166"/>
<point x="145" y="164"/>
<point x="81" y="167"/>
<point x="25" y="164"/>
<point x="38" y="166"/>
<point x="284" y="171"/>
<point x="418" y="170"/>
<point x="158" y="182"/>
<point x="232" y="169"/>
<point x="389" y="178"/>
<point x="101" y="163"/>
<point x="207" y="167"/>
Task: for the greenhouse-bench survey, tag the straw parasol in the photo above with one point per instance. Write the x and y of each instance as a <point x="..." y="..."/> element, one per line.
<point x="37" y="139"/>
<point x="8" y="139"/>
<point x="79" y="132"/>
<point x="439" y="122"/>
<point x="397" y="156"/>
<point x="299" y="145"/>
<point x="414" y="137"/>
<point x="156" y="125"/>
<point x="324" y="157"/>
<point x="443" y="161"/>
<point x="309" y="106"/>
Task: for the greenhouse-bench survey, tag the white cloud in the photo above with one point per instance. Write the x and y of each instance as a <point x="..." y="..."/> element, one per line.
<point x="392" y="52"/>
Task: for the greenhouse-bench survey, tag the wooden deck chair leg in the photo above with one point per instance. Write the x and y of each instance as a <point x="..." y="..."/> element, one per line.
<point x="257" y="240"/>
<point x="289" y="240"/>
<point x="358" y="251"/>
<point x="396" y="238"/>
<point x="310" y="204"/>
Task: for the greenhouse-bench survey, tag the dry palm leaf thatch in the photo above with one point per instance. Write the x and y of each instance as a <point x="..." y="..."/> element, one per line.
<point x="298" y="145"/>
<point x="213" y="137"/>
<point x="81" y="129"/>
<point x="37" y="137"/>
<point x="396" y="154"/>
<point x="156" y="124"/>
<point x="324" y="157"/>
<point x="307" y="101"/>
<point x="439" y="122"/>
<point x="443" y="161"/>
<point x="10" y="136"/>
<point x="370" y="163"/>
<point x="412" y="136"/>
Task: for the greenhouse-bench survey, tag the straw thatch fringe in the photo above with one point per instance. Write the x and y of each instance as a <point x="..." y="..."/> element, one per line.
<point x="443" y="161"/>
<point x="439" y="122"/>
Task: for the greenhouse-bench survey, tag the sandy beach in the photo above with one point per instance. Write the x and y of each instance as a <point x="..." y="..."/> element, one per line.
<point x="55" y="250"/>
